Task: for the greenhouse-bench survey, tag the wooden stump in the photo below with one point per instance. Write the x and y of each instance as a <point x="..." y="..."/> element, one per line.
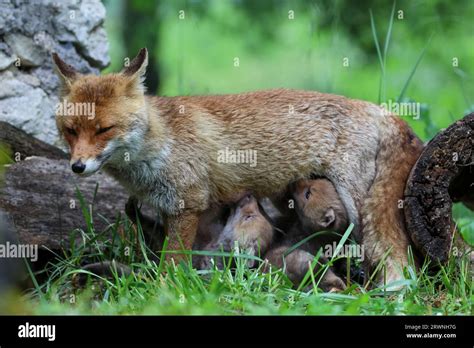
<point x="39" y="196"/>
<point x="443" y="174"/>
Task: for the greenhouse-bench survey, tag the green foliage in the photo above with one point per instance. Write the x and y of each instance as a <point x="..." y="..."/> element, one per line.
<point x="167" y="288"/>
<point x="5" y="155"/>
<point x="5" y="158"/>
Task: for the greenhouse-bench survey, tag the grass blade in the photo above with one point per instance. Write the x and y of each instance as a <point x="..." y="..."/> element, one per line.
<point x="379" y="53"/>
<point x="301" y="242"/>
<point x="385" y="50"/>
<point x="412" y="73"/>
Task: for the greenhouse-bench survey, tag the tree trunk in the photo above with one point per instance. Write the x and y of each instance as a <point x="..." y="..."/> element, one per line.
<point x="443" y="174"/>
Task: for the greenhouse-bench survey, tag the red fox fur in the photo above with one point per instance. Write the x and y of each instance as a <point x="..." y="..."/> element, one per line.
<point x="165" y="150"/>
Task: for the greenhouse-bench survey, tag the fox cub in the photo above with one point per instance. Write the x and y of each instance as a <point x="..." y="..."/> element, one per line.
<point x="318" y="208"/>
<point x="165" y="151"/>
<point x="247" y="224"/>
<point x="247" y="227"/>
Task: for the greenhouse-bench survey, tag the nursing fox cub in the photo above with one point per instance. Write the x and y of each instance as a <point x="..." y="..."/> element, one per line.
<point x="165" y="151"/>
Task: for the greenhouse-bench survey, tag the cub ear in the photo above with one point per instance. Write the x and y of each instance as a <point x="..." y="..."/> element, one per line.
<point x="137" y="68"/>
<point x="328" y="218"/>
<point x="67" y="73"/>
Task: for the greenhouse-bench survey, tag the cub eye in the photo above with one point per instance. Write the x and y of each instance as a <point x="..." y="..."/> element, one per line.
<point x="71" y="131"/>
<point x="248" y="217"/>
<point x="103" y="130"/>
<point x="307" y="193"/>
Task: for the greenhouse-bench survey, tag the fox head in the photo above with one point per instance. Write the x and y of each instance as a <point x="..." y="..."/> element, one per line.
<point x="103" y="119"/>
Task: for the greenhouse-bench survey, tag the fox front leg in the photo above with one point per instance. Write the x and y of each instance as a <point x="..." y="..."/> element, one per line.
<point x="153" y="231"/>
<point x="181" y="232"/>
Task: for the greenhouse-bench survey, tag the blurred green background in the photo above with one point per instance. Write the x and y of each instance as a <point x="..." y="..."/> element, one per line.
<point x="302" y="44"/>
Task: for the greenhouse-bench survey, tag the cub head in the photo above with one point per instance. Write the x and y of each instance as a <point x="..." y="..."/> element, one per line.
<point x="318" y="206"/>
<point x="248" y="223"/>
<point x="102" y="118"/>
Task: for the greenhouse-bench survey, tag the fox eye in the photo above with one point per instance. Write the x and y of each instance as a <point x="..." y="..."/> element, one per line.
<point x="307" y="193"/>
<point x="71" y="131"/>
<point x="103" y="130"/>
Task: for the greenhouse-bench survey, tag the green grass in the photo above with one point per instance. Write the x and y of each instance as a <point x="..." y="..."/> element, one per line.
<point x="167" y="288"/>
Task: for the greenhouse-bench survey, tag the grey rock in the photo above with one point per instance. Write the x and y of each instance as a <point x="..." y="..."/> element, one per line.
<point x="5" y="60"/>
<point x="48" y="82"/>
<point x="11" y="86"/>
<point x="96" y="48"/>
<point x="25" y="48"/>
<point x="81" y="23"/>
<point x="28" y="110"/>
<point x="31" y="31"/>
<point x="31" y="80"/>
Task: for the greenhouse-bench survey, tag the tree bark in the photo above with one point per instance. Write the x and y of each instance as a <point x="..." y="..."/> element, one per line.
<point x="443" y="174"/>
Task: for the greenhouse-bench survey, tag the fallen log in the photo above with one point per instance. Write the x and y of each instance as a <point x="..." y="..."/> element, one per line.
<point x="39" y="193"/>
<point x="443" y="174"/>
<point x="41" y="200"/>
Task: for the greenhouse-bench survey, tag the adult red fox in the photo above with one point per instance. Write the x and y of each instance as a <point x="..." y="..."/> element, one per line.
<point x="168" y="151"/>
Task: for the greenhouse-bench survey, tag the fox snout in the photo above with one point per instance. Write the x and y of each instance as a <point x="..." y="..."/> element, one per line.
<point x="78" y="167"/>
<point x="89" y="151"/>
<point x="86" y="157"/>
<point x="85" y="166"/>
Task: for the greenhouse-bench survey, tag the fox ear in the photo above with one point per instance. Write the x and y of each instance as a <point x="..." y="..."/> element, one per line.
<point x="328" y="218"/>
<point x="65" y="71"/>
<point x="137" y="68"/>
